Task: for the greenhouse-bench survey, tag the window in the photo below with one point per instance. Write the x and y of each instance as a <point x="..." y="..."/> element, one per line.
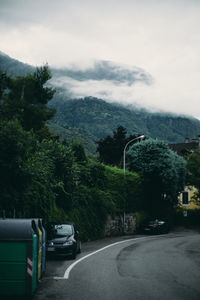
<point x="185" y="198"/>
<point x="63" y="229"/>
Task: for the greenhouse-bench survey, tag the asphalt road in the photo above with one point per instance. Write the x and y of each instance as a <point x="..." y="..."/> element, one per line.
<point x="150" y="267"/>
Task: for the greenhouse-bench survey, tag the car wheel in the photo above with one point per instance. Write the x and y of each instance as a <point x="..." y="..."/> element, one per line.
<point x="79" y="250"/>
<point x="74" y="254"/>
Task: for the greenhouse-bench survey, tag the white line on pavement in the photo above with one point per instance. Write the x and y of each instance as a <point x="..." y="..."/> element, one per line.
<point x="67" y="272"/>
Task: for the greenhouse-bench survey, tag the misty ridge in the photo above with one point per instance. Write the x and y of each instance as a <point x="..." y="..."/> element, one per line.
<point x="91" y="103"/>
<point x="105" y="80"/>
<point x="106" y="70"/>
<point x="112" y="82"/>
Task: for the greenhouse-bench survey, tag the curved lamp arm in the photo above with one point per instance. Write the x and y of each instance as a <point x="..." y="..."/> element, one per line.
<point x="124" y="156"/>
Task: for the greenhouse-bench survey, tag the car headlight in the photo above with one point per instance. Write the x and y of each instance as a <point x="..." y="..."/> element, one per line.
<point x="67" y="243"/>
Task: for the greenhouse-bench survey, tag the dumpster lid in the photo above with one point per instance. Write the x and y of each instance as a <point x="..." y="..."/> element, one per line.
<point x="16" y="229"/>
<point x="38" y="222"/>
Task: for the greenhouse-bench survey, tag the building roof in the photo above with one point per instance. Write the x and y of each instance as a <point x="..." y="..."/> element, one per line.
<point x="184" y="148"/>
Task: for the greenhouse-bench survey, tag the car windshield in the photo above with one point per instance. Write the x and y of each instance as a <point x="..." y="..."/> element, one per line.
<point x="153" y="222"/>
<point x="64" y="229"/>
<point x="59" y="230"/>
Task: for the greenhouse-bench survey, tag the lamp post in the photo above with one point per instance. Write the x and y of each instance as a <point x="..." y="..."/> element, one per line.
<point x="141" y="137"/>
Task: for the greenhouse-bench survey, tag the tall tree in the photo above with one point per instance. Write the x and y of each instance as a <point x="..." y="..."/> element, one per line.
<point x="16" y="146"/>
<point x="25" y="99"/>
<point x="163" y="172"/>
<point x="111" y="149"/>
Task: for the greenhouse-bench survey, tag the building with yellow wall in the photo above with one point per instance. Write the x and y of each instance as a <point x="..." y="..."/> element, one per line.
<point x="186" y="198"/>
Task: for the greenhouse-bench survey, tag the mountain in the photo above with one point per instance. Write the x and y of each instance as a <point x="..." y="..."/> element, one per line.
<point x="92" y="118"/>
<point x="100" y="118"/>
<point x="14" y="67"/>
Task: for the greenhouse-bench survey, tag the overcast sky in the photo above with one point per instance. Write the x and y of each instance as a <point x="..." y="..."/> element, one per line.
<point x="162" y="37"/>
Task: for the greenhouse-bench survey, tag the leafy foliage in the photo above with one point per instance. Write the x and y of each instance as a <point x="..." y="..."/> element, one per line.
<point x="126" y="190"/>
<point x="15" y="147"/>
<point x="111" y="149"/>
<point x="163" y="172"/>
<point x="79" y="151"/>
<point x="193" y="168"/>
<point x="69" y="134"/>
<point x="25" y="99"/>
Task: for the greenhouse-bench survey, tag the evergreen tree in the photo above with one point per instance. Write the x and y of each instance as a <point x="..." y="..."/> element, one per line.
<point x="163" y="173"/>
<point x="25" y="99"/>
<point x="111" y="149"/>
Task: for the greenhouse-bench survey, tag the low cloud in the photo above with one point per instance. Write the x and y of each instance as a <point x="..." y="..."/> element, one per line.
<point x="105" y="80"/>
<point x="161" y="37"/>
<point x="130" y="86"/>
<point x="106" y="70"/>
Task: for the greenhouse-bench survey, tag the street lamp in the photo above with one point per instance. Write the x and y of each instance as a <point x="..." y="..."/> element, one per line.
<point x="141" y="137"/>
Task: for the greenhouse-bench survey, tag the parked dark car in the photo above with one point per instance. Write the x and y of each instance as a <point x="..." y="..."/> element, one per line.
<point x="156" y="227"/>
<point x="63" y="238"/>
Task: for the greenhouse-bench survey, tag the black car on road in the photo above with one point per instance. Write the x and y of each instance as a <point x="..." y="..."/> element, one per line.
<point x="63" y="238"/>
<point x="156" y="227"/>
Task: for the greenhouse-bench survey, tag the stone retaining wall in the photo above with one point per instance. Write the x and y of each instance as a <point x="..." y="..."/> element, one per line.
<point x="114" y="225"/>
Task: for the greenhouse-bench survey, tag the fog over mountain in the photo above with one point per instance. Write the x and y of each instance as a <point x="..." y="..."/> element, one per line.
<point x="104" y="79"/>
<point x="83" y="113"/>
<point x="107" y="70"/>
<point x="129" y="86"/>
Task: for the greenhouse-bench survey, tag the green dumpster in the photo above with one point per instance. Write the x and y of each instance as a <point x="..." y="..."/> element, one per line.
<point x="39" y="249"/>
<point x="18" y="257"/>
<point x="43" y="246"/>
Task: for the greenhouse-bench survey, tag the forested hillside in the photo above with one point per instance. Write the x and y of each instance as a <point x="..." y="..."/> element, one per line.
<point x="14" y="67"/>
<point x="100" y="118"/>
<point x="90" y="119"/>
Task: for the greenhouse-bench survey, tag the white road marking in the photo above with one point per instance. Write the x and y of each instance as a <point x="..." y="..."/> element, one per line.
<point x="67" y="272"/>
